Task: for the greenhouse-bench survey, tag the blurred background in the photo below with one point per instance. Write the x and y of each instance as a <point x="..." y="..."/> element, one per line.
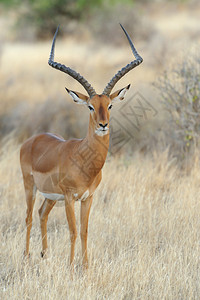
<point x="166" y="34"/>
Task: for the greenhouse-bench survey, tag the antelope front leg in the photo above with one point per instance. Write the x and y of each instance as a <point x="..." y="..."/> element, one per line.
<point x="85" y="211"/>
<point x="69" y="207"/>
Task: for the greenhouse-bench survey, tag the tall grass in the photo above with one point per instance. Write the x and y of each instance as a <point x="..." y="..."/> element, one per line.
<point x="144" y="234"/>
<point x="144" y="227"/>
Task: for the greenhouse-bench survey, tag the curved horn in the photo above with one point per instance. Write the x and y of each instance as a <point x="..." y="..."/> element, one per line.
<point x="124" y="70"/>
<point x="69" y="71"/>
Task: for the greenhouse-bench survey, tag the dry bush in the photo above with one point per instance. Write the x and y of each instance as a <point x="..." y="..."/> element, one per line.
<point x="56" y="116"/>
<point x="180" y="96"/>
<point x="143" y="240"/>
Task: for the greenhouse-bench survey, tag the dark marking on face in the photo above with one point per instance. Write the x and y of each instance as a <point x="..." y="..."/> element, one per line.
<point x="102" y="113"/>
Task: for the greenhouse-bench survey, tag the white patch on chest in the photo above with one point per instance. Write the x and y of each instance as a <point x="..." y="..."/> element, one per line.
<point x="54" y="197"/>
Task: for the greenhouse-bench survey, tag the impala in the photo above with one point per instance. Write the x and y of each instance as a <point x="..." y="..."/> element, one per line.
<point x="70" y="170"/>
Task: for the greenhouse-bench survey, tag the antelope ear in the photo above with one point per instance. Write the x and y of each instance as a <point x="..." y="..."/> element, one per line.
<point x="119" y="95"/>
<point x="78" y="97"/>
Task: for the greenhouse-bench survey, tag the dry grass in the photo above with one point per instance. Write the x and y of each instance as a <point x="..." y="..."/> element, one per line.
<point x="144" y="229"/>
<point x="144" y="236"/>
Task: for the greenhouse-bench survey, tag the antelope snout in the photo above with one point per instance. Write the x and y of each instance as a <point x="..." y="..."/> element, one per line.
<point x="103" y="125"/>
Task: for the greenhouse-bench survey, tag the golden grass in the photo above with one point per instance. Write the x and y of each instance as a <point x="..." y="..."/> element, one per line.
<point x="144" y="229"/>
<point x="143" y="243"/>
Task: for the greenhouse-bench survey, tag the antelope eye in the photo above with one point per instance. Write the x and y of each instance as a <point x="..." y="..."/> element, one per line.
<point x="91" y="108"/>
<point x="110" y="106"/>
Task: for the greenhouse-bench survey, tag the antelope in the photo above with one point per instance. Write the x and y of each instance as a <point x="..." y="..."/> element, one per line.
<point x="71" y="170"/>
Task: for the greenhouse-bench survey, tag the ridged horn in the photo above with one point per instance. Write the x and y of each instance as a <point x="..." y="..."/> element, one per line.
<point x="91" y="92"/>
<point x="138" y="60"/>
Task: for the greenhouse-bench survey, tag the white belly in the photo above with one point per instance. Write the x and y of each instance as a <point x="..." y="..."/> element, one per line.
<point x="60" y="197"/>
<point x="54" y="197"/>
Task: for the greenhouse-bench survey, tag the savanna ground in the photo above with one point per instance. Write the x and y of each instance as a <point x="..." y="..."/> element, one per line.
<point x="144" y="228"/>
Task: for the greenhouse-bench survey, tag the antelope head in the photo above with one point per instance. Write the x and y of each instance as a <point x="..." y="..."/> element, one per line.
<point x="99" y="105"/>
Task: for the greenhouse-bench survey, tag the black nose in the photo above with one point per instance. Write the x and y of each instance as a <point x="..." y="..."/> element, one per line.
<point x="100" y="124"/>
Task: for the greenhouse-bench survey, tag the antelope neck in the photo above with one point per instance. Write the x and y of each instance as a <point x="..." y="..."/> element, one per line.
<point x="99" y="144"/>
